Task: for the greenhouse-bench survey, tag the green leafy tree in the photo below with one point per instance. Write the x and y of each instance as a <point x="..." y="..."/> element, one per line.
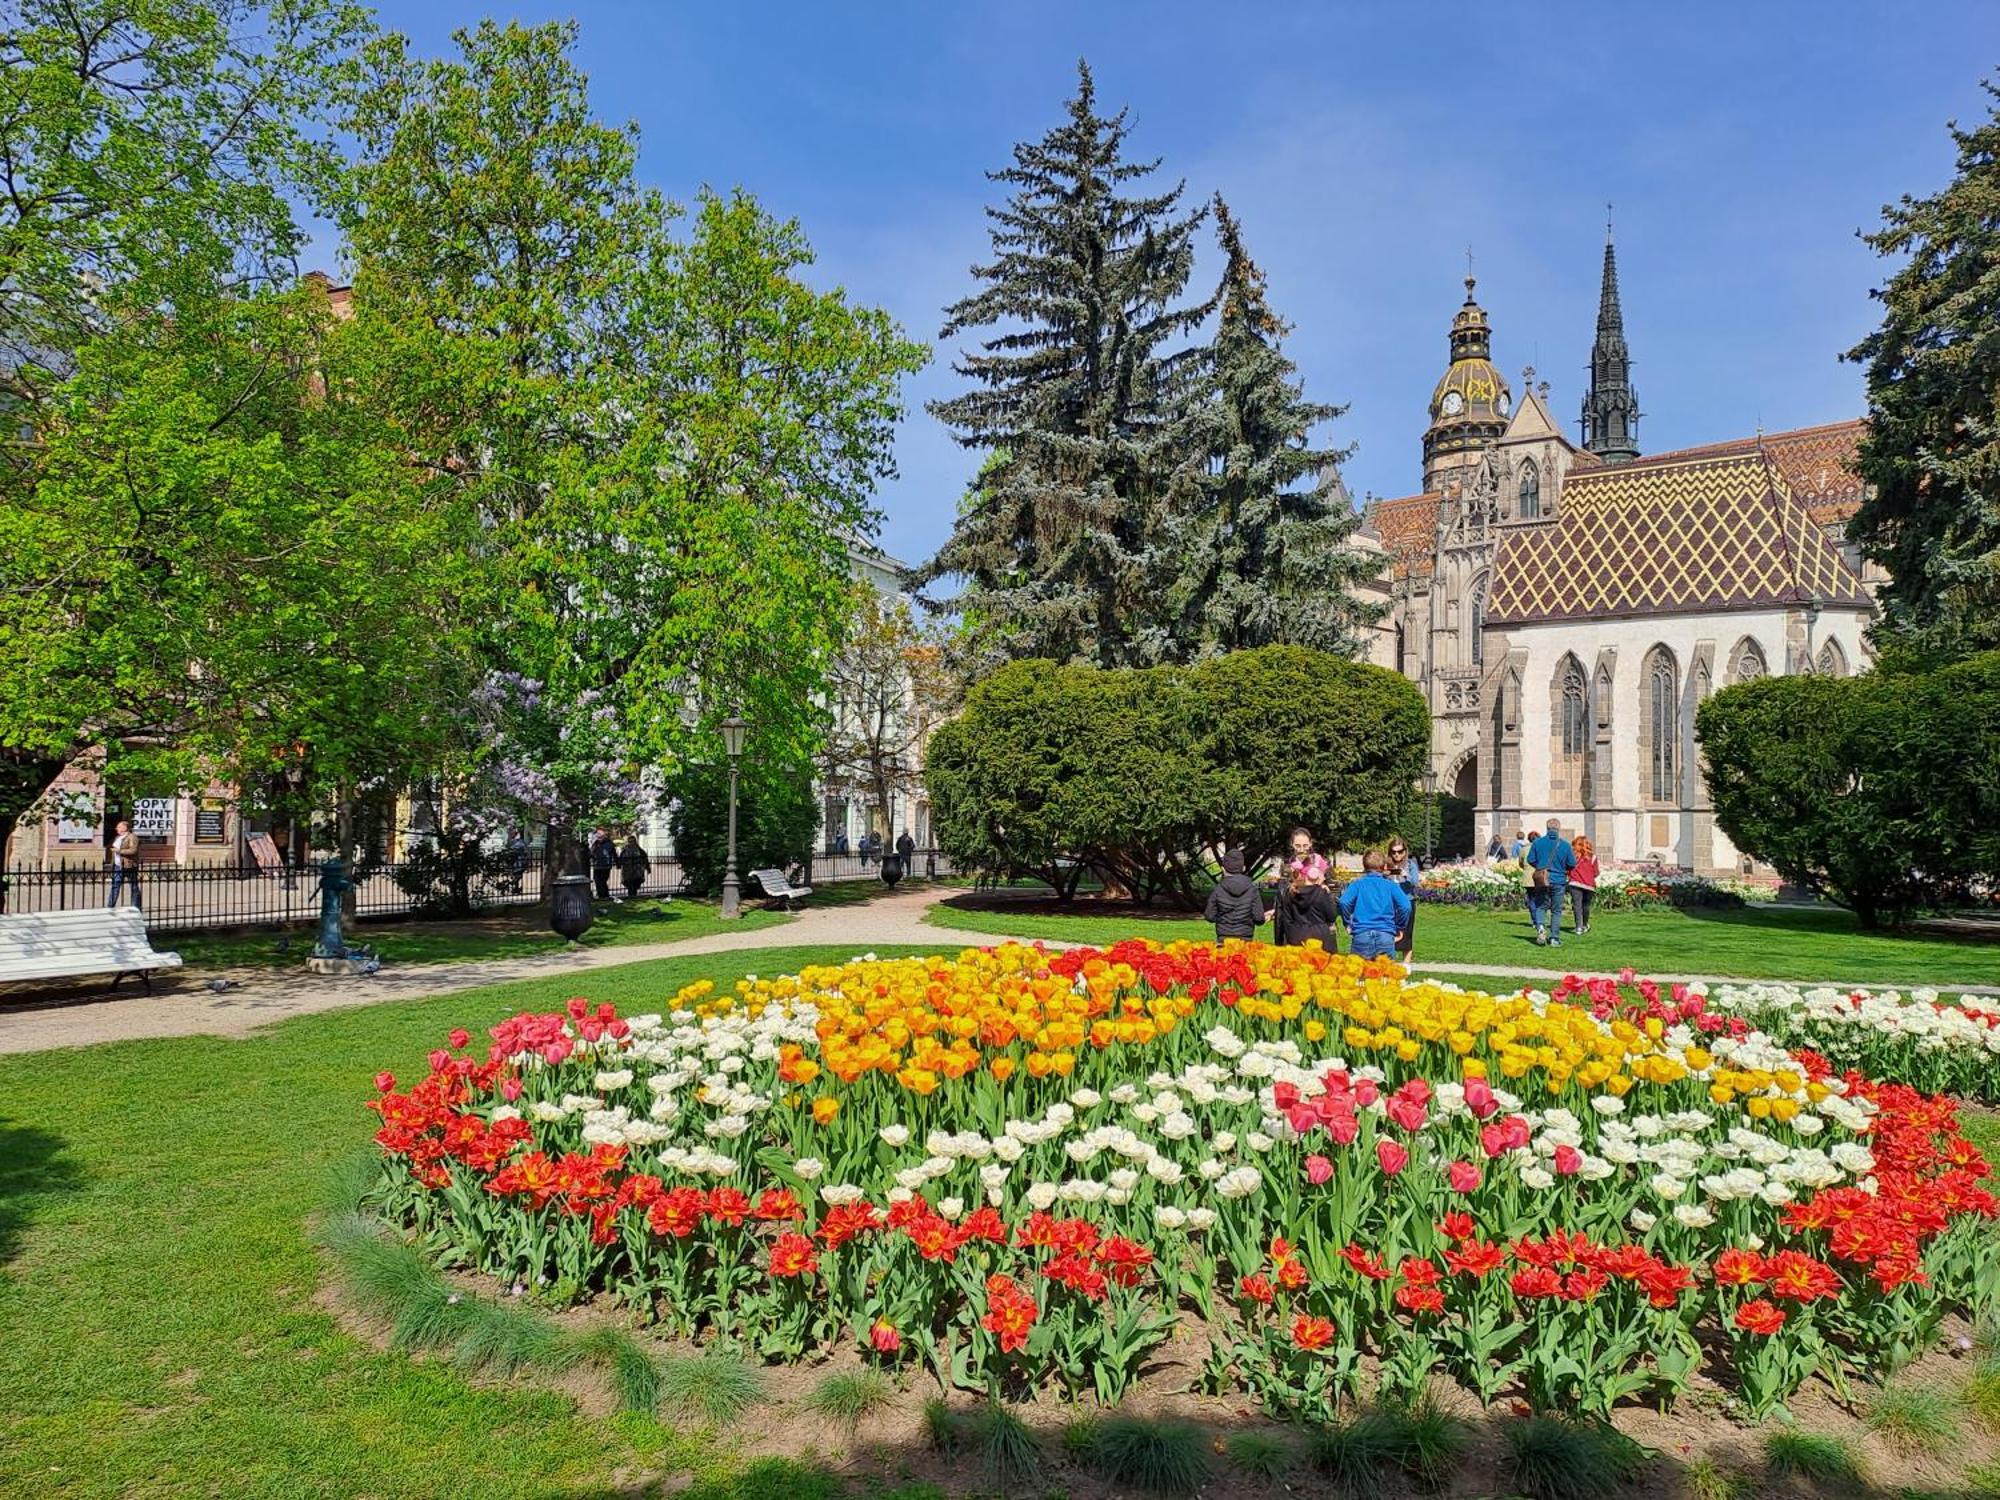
<point x="672" y="438"/>
<point x="1076" y="398"/>
<point x="1880" y="791"/>
<point x="775" y="816"/>
<point x="1931" y="453"/>
<point x="149" y="157"/>
<point x="1261" y="551"/>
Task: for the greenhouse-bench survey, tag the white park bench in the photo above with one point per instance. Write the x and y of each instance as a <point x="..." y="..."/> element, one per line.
<point x="65" y="944"/>
<point x="779" y="887"/>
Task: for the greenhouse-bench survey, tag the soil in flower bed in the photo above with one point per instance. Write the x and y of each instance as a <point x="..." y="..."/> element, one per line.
<point x="892" y="1446"/>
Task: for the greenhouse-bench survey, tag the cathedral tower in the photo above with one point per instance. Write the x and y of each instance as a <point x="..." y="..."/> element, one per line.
<point x="1470" y="404"/>
<point x="1611" y="406"/>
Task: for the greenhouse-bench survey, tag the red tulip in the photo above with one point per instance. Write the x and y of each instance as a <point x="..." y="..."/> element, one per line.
<point x="459" y="1037"/>
<point x="1393" y="1158"/>
<point x="884" y="1338"/>
<point x="1463" y="1176"/>
<point x="1568" y="1161"/>
<point x="1318" y="1170"/>
<point x="384" y="1082"/>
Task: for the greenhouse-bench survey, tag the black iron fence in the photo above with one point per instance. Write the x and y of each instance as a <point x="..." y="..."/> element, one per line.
<point x="182" y="897"/>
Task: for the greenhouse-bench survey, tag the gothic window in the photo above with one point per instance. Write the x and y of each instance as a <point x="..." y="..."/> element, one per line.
<point x="1531" y="491"/>
<point x="1575" y="711"/>
<point x="1475" y="613"/>
<point x="1832" y="660"/>
<point x="1402" y="662"/>
<point x="1570" y="733"/>
<point x="1663" y="725"/>
<point x="1746" y="662"/>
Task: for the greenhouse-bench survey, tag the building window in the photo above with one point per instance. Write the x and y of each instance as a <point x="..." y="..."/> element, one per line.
<point x="1575" y="709"/>
<point x="1663" y="724"/>
<point x="1475" y="613"/>
<point x="1746" y="663"/>
<point x="1570" y="732"/>
<point x="1531" y="491"/>
<point x="1832" y="660"/>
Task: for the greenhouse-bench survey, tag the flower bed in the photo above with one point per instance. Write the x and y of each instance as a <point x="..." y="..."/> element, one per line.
<point x="1924" y="1039"/>
<point x="1503" y="887"/>
<point x="1023" y="1168"/>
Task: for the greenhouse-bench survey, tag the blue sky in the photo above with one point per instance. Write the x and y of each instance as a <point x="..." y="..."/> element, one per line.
<point x="1363" y="147"/>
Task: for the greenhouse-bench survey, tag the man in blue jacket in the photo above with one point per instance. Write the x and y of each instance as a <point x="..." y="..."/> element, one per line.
<point x="1549" y="859"/>
<point x="1375" y="909"/>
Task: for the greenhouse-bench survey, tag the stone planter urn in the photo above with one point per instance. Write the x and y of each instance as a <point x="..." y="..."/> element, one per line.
<point x="892" y="869"/>
<point x="569" y="906"/>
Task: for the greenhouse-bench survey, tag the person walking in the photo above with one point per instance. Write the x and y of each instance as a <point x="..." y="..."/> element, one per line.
<point x="1234" y="906"/>
<point x="1306" y="911"/>
<point x="634" y="865"/>
<point x="1374" y="909"/>
<point x="1550" y="859"/>
<point x="1582" y="886"/>
<point x="517" y="861"/>
<point x="1496" y="847"/>
<point x="1403" y="868"/>
<point x="907" y="847"/>
<point x="603" y="855"/>
<point x="1520" y="845"/>
<point x="125" y="864"/>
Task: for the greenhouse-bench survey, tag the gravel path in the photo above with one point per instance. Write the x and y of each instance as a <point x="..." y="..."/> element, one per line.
<point x="185" y="1006"/>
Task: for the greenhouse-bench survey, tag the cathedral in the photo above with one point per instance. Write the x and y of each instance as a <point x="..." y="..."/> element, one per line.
<point x="1566" y="606"/>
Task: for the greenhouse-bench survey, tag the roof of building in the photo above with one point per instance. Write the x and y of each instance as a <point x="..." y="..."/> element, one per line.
<point x="1407" y="527"/>
<point x="1671" y="534"/>
<point x="1817" y="462"/>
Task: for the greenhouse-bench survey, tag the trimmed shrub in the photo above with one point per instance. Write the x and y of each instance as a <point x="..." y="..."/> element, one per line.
<point x="1142" y="776"/>
<point x="1880" y="791"/>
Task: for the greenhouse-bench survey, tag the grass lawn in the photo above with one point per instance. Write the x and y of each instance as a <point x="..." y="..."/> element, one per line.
<point x="508" y="933"/>
<point x="1752" y="943"/>
<point x="158" y="1330"/>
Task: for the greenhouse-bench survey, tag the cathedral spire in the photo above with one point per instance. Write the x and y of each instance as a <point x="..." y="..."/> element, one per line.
<point x="1611" y="407"/>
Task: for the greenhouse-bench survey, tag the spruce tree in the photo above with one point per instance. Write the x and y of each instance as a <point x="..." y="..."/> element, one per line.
<point x="1074" y="398"/>
<point x="1931" y="455"/>
<point x="1263" y="551"/>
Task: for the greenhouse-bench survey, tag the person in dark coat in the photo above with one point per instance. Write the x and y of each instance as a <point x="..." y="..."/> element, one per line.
<point x="906" y="846"/>
<point x="634" y="865"/>
<point x="1305" y="912"/>
<point x="603" y="855"/>
<point x="1234" y="905"/>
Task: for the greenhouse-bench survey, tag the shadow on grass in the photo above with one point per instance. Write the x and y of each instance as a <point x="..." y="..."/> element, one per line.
<point x="34" y="1166"/>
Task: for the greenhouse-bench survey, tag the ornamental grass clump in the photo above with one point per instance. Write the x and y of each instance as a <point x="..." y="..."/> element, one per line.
<point x="1813" y="1456"/>
<point x="715" y="1386"/>
<point x="849" y="1397"/>
<point x="1018" y="1171"/>
<point x="1166" y="1458"/>
<point x="1550" y="1458"/>
<point x="1915" y="1418"/>
<point x="1262" y="1454"/>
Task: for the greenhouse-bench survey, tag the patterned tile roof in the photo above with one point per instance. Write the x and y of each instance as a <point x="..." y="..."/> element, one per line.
<point x="1817" y="462"/>
<point x="1408" y="530"/>
<point x="1670" y="534"/>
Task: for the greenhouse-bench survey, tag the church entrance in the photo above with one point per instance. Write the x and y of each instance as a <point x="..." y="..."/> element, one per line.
<point x="1466" y="785"/>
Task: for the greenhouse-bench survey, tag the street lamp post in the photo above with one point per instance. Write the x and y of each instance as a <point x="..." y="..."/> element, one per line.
<point x="1430" y="801"/>
<point x="733" y="730"/>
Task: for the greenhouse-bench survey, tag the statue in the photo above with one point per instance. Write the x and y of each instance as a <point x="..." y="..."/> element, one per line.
<point x="333" y="884"/>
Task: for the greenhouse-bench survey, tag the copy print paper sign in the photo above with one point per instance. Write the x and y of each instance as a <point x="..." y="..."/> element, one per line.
<point x="153" y="817"/>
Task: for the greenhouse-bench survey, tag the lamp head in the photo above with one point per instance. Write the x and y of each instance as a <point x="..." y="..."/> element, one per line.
<point x="733" y="731"/>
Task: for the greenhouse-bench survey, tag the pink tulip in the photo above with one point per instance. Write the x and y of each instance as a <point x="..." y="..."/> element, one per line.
<point x="439" y="1059"/>
<point x="1626" y="976"/>
<point x="1285" y="1096"/>
<point x="1303" y="1117"/>
<point x="1343" y="1129"/>
<point x="554" y="1053"/>
<point x="1479" y="1098"/>
<point x="1568" y="1161"/>
<point x="1408" y="1113"/>
<point x="1392" y="1157"/>
<point x="459" y="1037"/>
<point x="510" y="1088"/>
<point x="384" y="1082"/>
<point x="1463" y="1176"/>
<point x="1318" y="1170"/>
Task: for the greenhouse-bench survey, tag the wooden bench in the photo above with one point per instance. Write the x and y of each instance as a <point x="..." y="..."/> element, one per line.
<point x="65" y="944"/>
<point x="777" y="886"/>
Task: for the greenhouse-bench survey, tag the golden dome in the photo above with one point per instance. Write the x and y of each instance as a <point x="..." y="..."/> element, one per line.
<point x="1471" y="402"/>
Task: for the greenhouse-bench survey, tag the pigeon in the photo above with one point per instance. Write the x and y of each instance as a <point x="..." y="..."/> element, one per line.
<point x="219" y="985"/>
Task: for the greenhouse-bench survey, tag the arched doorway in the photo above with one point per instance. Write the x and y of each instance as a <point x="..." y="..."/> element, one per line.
<point x="1465" y="785"/>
